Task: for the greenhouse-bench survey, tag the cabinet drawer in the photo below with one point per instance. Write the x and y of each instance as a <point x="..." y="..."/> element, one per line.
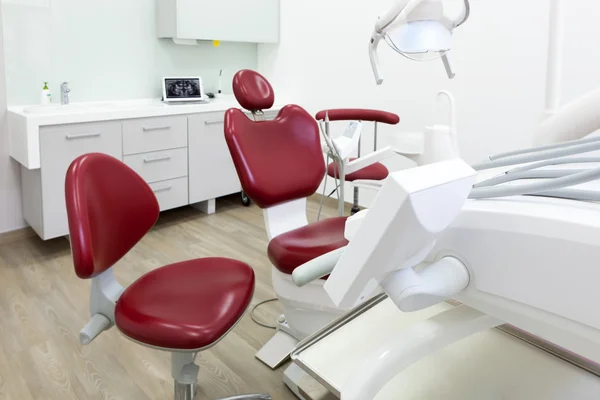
<point x="159" y="165"/>
<point x="172" y="193"/>
<point x="153" y="134"/>
<point x="59" y="146"/>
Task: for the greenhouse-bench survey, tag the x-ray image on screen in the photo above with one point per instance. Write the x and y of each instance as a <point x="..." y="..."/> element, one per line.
<point x="183" y="88"/>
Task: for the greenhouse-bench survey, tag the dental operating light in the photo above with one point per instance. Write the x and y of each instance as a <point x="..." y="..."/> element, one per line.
<point x="417" y="29"/>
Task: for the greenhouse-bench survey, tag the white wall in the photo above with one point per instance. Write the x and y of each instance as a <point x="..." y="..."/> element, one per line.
<point x="10" y="196"/>
<point x="499" y="57"/>
<point x="107" y="50"/>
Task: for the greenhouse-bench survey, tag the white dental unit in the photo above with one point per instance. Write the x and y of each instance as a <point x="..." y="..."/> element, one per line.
<point x="459" y="249"/>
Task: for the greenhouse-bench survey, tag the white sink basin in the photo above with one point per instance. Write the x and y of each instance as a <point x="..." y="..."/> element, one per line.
<point x="65" y="109"/>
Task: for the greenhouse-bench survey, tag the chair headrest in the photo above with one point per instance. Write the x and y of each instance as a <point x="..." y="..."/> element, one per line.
<point x="253" y="91"/>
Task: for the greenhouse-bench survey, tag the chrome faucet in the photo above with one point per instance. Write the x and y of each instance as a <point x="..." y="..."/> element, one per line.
<point x="64" y="93"/>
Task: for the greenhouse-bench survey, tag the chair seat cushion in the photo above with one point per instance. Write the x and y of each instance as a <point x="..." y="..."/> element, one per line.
<point x="374" y="172"/>
<point x="186" y="306"/>
<point x="292" y="249"/>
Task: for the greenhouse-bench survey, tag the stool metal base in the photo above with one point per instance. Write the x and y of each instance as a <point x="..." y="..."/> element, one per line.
<point x="187" y="391"/>
<point x="184" y="391"/>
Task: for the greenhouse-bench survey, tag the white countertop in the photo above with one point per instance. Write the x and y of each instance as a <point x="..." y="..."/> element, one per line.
<point x="57" y="114"/>
<point x="25" y="121"/>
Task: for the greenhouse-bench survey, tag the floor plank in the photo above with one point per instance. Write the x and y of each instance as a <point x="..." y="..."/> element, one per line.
<point x="43" y="305"/>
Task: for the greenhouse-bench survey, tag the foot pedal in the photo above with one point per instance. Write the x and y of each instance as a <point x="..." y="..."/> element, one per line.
<point x="277" y="350"/>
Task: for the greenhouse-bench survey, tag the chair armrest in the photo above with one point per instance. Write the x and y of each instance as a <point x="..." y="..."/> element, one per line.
<point x="368" y="160"/>
<point x="317" y="267"/>
<point x="360" y="114"/>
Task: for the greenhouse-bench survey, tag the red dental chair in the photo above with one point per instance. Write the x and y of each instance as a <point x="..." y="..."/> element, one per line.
<point x="374" y="170"/>
<point x="280" y="163"/>
<point x="182" y="308"/>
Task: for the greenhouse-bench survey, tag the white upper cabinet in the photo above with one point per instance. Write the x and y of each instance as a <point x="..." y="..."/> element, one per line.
<point x="255" y="21"/>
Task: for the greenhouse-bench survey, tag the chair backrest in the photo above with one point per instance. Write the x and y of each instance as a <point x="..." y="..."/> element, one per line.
<point x="109" y="209"/>
<point x="278" y="160"/>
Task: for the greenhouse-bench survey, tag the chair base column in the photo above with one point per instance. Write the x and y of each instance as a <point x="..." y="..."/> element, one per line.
<point x="293" y="377"/>
<point x="184" y="391"/>
<point x="185" y="373"/>
<point x="355" y="207"/>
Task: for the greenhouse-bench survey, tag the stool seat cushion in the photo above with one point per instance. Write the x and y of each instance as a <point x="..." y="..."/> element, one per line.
<point x="292" y="249"/>
<point x="374" y="172"/>
<point x="186" y="306"/>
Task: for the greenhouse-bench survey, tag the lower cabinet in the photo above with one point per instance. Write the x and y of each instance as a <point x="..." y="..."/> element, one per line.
<point x="59" y="147"/>
<point x="211" y="169"/>
<point x="184" y="159"/>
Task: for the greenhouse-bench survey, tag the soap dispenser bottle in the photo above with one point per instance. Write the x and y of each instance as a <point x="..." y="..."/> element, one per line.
<point x="46" y="95"/>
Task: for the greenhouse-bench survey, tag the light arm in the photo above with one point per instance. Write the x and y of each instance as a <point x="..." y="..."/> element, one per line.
<point x="460" y="19"/>
<point x="447" y="67"/>
<point x="465" y="14"/>
<point x="375" y="58"/>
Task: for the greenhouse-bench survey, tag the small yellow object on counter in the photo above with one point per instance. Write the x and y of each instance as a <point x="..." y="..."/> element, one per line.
<point x="216" y="43"/>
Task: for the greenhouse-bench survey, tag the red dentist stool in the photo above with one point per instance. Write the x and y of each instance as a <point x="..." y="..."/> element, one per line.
<point x="182" y="308"/>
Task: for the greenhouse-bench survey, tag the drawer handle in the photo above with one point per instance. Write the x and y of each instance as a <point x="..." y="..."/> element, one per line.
<point x="155" y="159"/>
<point x="162" y="188"/>
<point x="214" y="122"/>
<point x="156" y="128"/>
<point x="83" y="135"/>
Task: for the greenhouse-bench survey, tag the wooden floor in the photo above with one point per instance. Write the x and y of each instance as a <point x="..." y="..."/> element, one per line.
<point x="43" y="305"/>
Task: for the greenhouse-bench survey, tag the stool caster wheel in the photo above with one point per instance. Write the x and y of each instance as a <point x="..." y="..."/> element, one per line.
<point x="354" y="210"/>
<point x="245" y="200"/>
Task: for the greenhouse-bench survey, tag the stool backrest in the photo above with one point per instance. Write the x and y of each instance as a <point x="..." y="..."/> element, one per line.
<point x="109" y="209"/>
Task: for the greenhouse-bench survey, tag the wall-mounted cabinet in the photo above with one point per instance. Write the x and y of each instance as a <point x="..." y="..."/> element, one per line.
<point x="254" y="21"/>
